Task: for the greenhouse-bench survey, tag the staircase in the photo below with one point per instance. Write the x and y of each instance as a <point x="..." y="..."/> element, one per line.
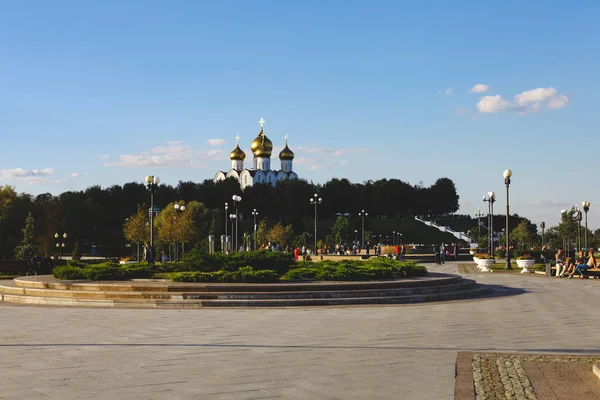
<point x="458" y="235"/>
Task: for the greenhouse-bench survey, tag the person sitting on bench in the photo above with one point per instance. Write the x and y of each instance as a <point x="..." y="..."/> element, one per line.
<point x="582" y="268"/>
<point x="561" y="266"/>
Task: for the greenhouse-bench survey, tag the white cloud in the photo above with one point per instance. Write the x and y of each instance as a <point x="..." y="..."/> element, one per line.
<point x="77" y="175"/>
<point x="527" y="102"/>
<point x="215" y="142"/>
<point x="445" y="92"/>
<point x="493" y="104"/>
<point x="173" y="154"/>
<point x="479" y="88"/>
<point x="104" y="156"/>
<point x="33" y="175"/>
<point x="343" y="162"/>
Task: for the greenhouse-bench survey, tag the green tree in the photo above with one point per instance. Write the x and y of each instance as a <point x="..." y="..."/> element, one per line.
<point x="136" y="228"/>
<point x="342" y="231"/>
<point x="262" y="233"/>
<point x="567" y="229"/>
<point x="281" y="234"/>
<point x="28" y="246"/>
<point x="523" y="236"/>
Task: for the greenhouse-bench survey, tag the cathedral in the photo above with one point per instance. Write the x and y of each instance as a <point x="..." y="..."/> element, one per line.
<point x="261" y="171"/>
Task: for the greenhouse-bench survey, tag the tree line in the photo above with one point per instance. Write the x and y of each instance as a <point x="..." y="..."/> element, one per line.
<point x="95" y="218"/>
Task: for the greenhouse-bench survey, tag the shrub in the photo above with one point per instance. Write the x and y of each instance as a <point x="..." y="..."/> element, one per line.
<point x="244" y="274"/>
<point x="196" y="260"/>
<point x="137" y="271"/>
<point x="68" y="272"/>
<point x="351" y="270"/>
<point x="76" y="263"/>
<point x="105" y="271"/>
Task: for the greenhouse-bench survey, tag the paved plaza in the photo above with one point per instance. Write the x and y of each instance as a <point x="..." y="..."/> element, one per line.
<point x="359" y="352"/>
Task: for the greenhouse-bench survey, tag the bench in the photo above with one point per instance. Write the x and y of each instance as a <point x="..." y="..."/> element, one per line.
<point x="551" y="271"/>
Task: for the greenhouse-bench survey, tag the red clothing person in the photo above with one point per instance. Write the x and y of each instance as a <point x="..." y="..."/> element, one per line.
<point x="397" y="249"/>
<point x="296" y="253"/>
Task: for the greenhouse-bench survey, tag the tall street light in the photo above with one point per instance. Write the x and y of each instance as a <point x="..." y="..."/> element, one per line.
<point x="236" y="202"/>
<point x="226" y="250"/>
<point x="586" y="208"/>
<point x="490" y="199"/>
<point x="316" y="200"/>
<point x="255" y="215"/>
<point x="507" y="174"/>
<point x="356" y="236"/>
<point x="543" y="226"/>
<point x="152" y="183"/>
<point x="178" y="210"/>
<point x="363" y="214"/>
<point x="233" y="221"/>
<point x="393" y="238"/>
<point x="60" y="245"/>
<point x="479" y="214"/>
<point x="578" y="218"/>
<point x="565" y="241"/>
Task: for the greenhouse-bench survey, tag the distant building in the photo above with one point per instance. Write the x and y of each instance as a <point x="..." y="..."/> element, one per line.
<point x="261" y="171"/>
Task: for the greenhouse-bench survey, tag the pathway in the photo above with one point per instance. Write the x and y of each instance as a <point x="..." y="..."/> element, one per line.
<point x="364" y="352"/>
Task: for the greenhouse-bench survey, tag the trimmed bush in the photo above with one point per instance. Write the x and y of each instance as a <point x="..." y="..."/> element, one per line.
<point x="68" y="272"/>
<point x="76" y="263"/>
<point x="104" y="272"/>
<point x="355" y="270"/>
<point x="196" y="260"/>
<point x="244" y="274"/>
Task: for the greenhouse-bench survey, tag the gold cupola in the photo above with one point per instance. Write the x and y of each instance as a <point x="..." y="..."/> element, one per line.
<point x="261" y="146"/>
<point x="286" y="153"/>
<point x="237" y="153"/>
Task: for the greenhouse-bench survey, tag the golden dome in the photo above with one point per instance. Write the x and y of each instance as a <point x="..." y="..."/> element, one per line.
<point x="262" y="146"/>
<point x="237" y="154"/>
<point x="286" y="153"/>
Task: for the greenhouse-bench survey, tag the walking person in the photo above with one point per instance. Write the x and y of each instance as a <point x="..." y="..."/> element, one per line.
<point x="436" y="251"/>
<point x="442" y="253"/>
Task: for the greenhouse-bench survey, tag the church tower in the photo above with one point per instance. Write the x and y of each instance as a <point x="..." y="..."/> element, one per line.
<point x="286" y="156"/>
<point x="237" y="156"/>
<point x="262" y="148"/>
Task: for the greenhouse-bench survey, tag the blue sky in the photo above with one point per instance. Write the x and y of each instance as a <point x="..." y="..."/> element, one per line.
<point x="106" y="92"/>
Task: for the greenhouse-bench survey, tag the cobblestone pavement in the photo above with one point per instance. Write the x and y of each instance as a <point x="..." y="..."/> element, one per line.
<point x="363" y="352"/>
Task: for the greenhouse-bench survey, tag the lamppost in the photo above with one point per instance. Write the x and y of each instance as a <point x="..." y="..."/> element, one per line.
<point x="393" y="238"/>
<point x="578" y="217"/>
<point x="586" y="208"/>
<point x="178" y="210"/>
<point x="490" y="199"/>
<point x="363" y="214"/>
<point x="316" y="200"/>
<point x="543" y="226"/>
<point x="60" y="245"/>
<point x="236" y="202"/>
<point x="507" y="174"/>
<point x="479" y="214"/>
<point x="400" y="239"/>
<point x="226" y="250"/>
<point x="255" y="215"/>
<point x="152" y="182"/>
<point x="356" y="236"/>
<point x="565" y="241"/>
<point x="233" y="221"/>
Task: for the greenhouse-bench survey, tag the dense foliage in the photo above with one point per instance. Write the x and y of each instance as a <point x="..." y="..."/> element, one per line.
<point x="95" y="217"/>
<point x="260" y="266"/>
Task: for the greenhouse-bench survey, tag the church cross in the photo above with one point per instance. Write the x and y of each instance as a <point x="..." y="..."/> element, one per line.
<point x="237" y="139"/>
<point x="261" y="122"/>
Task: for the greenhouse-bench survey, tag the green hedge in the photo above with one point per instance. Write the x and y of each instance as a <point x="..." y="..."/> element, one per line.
<point x="196" y="260"/>
<point x="106" y="271"/>
<point x="244" y="274"/>
<point x="355" y="270"/>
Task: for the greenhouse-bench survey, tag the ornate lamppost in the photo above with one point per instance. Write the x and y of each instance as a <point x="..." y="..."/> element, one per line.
<point x="363" y="214"/>
<point x="316" y="200"/>
<point x="236" y="202"/>
<point x="178" y="210"/>
<point x="226" y="250"/>
<point x="356" y="236"/>
<point x="233" y="221"/>
<point x="152" y="183"/>
<point x="255" y="215"/>
<point x="586" y="208"/>
<point x="543" y="226"/>
<point x="490" y="199"/>
<point x="60" y="245"/>
<point x="507" y="174"/>
<point x="578" y="217"/>
<point x="479" y="214"/>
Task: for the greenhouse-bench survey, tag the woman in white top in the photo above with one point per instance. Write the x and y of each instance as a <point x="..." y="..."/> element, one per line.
<point x="560" y="263"/>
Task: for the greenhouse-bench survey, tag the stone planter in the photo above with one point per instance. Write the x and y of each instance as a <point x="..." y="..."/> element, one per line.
<point x="525" y="264"/>
<point x="484" y="264"/>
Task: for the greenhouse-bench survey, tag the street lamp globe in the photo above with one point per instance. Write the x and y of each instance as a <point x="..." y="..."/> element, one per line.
<point x="56" y="235"/>
<point x="492" y="195"/>
<point x="176" y="206"/>
<point x="149" y="179"/>
<point x="57" y="245"/>
<point x="64" y="235"/>
<point x="507" y="174"/>
<point x="182" y="208"/>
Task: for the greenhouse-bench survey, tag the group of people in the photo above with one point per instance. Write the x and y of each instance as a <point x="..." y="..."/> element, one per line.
<point x="40" y="264"/>
<point x="443" y="253"/>
<point x="568" y="266"/>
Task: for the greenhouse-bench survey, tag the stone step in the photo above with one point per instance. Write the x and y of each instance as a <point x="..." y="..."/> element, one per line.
<point x="475" y="291"/>
<point x="320" y="294"/>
